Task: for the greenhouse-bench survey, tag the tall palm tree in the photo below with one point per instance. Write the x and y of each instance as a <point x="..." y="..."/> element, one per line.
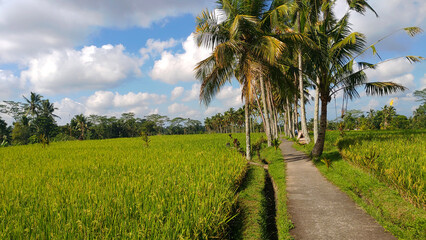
<point x="34" y="104"/>
<point x="334" y="56"/>
<point x="238" y="45"/>
<point x="47" y="109"/>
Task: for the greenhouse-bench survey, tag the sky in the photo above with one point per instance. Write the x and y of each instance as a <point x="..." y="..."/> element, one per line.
<point x="110" y="57"/>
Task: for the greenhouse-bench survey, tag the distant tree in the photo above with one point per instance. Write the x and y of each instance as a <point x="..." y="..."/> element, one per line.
<point x="81" y="124"/>
<point x="4" y="133"/>
<point x="13" y="109"/>
<point x="21" y="133"/>
<point x="34" y="104"/>
<point x="420" y="95"/>
<point x="159" y="121"/>
<point x="149" y="127"/>
<point x="388" y="114"/>
<point x="400" y="122"/>
<point x="419" y="117"/>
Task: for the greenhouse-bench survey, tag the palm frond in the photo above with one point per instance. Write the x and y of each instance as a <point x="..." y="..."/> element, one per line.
<point x="383" y="88"/>
<point x="413" y="31"/>
<point x="414" y="59"/>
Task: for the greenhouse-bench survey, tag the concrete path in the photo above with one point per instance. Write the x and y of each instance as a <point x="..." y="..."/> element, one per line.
<point x="318" y="209"/>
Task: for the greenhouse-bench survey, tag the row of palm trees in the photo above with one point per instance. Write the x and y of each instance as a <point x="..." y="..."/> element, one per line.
<point x="276" y="50"/>
<point x="231" y="121"/>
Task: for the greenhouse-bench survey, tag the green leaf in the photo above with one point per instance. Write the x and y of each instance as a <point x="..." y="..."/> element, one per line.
<point x="413" y="31"/>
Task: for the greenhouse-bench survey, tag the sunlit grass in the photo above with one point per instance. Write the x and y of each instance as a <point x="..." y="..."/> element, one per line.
<point x="180" y="187"/>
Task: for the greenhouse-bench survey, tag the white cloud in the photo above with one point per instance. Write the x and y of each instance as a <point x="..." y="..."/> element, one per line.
<point x="104" y="100"/>
<point x="89" y="68"/>
<point x="67" y="109"/>
<point x="192" y="94"/>
<point x="110" y="104"/>
<point x="423" y="82"/>
<point x="181" y="110"/>
<point x="389" y="70"/>
<point x="230" y="97"/>
<point x="31" y="27"/>
<point x="213" y="110"/>
<point x="406" y="80"/>
<point x="9" y="83"/>
<point x="372" y="104"/>
<point x="393" y="15"/>
<point x="176" y="93"/>
<point x="173" y="68"/>
<point x="154" y="47"/>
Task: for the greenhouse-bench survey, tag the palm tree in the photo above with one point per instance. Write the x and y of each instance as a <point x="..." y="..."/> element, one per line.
<point x="34" y="103"/>
<point x="238" y="46"/>
<point x="47" y="109"/>
<point x="81" y="124"/>
<point x="333" y="59"/>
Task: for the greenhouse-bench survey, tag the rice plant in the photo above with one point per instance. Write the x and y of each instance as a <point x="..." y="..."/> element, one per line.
<point x="181" y="187"/>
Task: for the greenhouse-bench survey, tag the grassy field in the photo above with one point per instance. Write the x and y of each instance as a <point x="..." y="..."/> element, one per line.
<point x="364" y="175"/>
<point x="397" y="158"/>
<point x="180" y="187"/>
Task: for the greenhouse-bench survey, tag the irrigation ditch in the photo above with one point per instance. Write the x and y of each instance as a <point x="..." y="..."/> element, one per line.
<point x="255" y="212"/>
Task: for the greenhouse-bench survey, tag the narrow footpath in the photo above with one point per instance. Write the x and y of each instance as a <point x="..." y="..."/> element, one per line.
<point x="318" y="209"/>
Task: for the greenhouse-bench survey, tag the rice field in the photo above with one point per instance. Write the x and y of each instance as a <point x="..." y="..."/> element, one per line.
<point x="397" y="158"/>
<point x="178" y="187"/>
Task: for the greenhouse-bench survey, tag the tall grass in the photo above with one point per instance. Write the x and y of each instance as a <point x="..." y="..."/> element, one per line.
<point x="180" y="187"/>
<point x="397" y="158"/>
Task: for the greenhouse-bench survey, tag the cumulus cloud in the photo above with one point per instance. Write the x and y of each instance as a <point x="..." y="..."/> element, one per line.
<point x="8" y="81"/>
<point x="179" y="67"/>
<point x="181" y="110"/>
<point x="103" y="100"/>
<point x="389" y="70"/>
<point x="393" y="15"/>
<point x="192" y="94"/>
<point x="213" y="110"/>
<point x="109" y="103"/>
<point x="67" y="109"/>
<point x="31" y="27"/>
<point x="176" y="93"/>
<point x="72" y="70"/>
<point x="154" y="47"/>
<point x="230" y="97"/>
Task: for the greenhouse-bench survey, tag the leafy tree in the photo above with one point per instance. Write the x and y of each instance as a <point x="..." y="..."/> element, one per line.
<point x="21" y="133"/>
<point x="420" y="95"/>
<point x="4" y="133"/>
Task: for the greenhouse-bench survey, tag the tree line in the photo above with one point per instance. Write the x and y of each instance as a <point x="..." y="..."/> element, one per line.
<point x="35" y="122"/>
<point x="279" y="49"/>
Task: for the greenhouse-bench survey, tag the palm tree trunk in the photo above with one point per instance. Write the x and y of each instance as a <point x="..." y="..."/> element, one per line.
<point x="247" y="116"/>
<point x="290" y="120"/>
<point x="319" y="144"/>
<point x="265" y="111"/>
<point x="270" y="111"/>
<point x="302" y="101"/>
<point x="286" y="132"/>
<point x="295" y="117"/>
<point x="316" y="112"/>
<point x="302" y="98"/>
<point x="261" y="113"/>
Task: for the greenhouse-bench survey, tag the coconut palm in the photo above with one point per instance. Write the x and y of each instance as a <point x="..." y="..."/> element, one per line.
<point x="34" y="104"/>
<point x="81" y="124"/>
<point x="47" y="109"/>
<point x="334" y="56"/>
<point x="238" y="46"/>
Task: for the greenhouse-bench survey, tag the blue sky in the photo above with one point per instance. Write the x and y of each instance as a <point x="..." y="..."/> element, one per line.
<point x="109" y="57"/>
